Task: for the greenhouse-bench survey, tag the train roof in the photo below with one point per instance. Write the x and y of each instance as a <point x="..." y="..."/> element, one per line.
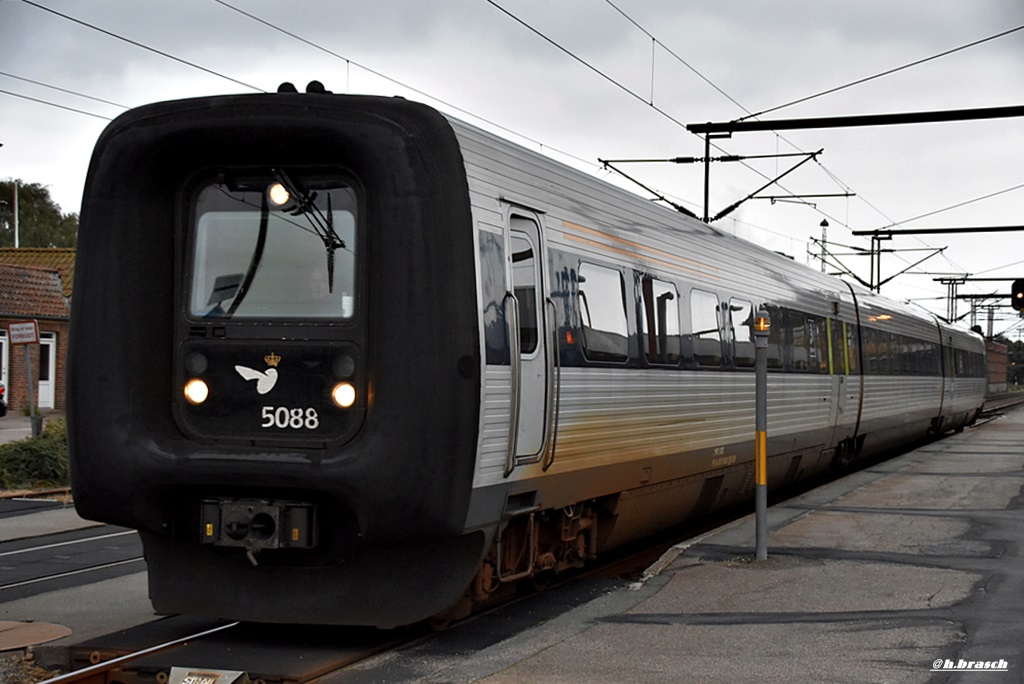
<point x="521" y="176"/>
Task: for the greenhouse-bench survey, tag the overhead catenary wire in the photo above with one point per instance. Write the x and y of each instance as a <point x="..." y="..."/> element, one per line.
<point x="676" y="56"/>
<point x="63" y="90"/>
<point x="882" y="74"/>
<point x="292" y="35"/>
<point x="54" y="104"/>
<point x="468" y="113"/>
<point x="829" y="173"/>
<point x="390" y="79"/>
<point x="142" y="46"/>
<point x="572" y="55"/>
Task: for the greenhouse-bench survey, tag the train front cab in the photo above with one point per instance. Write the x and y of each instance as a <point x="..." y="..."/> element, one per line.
<point x="304" y="264"/>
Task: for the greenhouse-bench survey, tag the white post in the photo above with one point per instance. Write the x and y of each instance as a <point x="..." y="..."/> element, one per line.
<point x="15" y="213"/>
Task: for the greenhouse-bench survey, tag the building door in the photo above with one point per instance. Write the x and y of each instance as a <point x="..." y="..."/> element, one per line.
<point x="47" y="368"/>
<point x="3" y="357"/>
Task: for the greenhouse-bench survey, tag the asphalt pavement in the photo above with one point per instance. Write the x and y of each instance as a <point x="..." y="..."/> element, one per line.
<point x="15" y="426"/>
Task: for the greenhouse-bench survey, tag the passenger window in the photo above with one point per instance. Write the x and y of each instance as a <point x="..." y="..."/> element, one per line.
<point x="525" y="283"/>
<point x="835" y="329"/>
<point x="871" y="351"/>
<point x="602" y="306"/>
<point x="707" y="338"/>
<point x="741" y="318"/>
<point x="776" y="337"/>
<point x="659" y="321"/>
<point x="852" y="351"/>
<point x="493" y="288"/>
<point x="817" y="344"/>
<point x="798" y="331"/>
<point x="885" y="353"/>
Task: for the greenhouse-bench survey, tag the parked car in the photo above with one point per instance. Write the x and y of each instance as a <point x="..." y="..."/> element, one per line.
<point x="3" y="400"/>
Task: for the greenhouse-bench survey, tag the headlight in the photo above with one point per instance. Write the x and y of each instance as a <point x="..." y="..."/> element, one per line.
<point x="344" y="395"/>
<point x="196" y="391"/>
<point x="278" y="194"/>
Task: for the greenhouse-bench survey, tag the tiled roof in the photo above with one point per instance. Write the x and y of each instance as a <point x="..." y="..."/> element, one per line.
<point x="59" y="259"/>
<point x="27" y="292"/>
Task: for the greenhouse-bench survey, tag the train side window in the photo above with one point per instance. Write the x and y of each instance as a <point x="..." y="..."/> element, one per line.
<point x="741" y="318"/>
<point x="493" y="288"/>
<point x="797" y="325"/>
<point x="885" y="354"/>
<point x="602" y="307"/>
<point x="838" y="345"/>
<point x="659" y="321"/>
<point x="934" y="359"/>
<point x="776" y="337"/>
<point x="707" y="336"/>
<point x="817" y="344"/>
<point x="852" y="349"/>
<point x="524" y="280"/>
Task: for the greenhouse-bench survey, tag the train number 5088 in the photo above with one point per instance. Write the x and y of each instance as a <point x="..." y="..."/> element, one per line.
<point x="294" y="418"/>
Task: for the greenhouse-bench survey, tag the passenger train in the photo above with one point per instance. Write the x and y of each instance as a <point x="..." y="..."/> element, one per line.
<point x="347" y="360"/>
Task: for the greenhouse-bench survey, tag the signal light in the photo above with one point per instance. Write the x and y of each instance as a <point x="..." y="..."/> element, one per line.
<point x="1017" y="295"/>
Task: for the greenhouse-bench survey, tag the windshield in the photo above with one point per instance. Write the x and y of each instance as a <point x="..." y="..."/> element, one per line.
<point x="278" y="246"/>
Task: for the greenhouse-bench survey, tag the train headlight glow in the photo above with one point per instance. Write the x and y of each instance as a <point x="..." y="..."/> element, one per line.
<point x="196" y="391"/>
<point x="278" y="194"/>
<point x="344" y="395"/>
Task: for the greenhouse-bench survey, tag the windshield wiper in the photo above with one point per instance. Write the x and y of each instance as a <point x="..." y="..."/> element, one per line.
<point x="322" y="225"/>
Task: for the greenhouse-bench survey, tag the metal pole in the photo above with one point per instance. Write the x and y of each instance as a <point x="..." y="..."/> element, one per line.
<point x="31" y="393"/>
<point x="707" y="177"/>
<point x="16" y="245"/>
<point x="824" y="242"/>
<point x="762" y="328"/>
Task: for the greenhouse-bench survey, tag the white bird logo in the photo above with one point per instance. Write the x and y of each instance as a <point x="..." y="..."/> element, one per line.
<point x="265" y="380"/>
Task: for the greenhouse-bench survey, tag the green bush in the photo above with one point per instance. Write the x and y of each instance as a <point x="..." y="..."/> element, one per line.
<point x="36" y="461"/>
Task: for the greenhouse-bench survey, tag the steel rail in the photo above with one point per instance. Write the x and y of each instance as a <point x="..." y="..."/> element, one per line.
<point x="87" y="673"/>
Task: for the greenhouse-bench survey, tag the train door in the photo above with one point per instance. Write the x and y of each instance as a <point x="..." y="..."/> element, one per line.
<point x="847" y="386"/>
<point x="838" y="371"/>
<point x="532" y="366"/>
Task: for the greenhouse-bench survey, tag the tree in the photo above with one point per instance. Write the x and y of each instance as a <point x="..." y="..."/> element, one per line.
<point x="40" y="221"/>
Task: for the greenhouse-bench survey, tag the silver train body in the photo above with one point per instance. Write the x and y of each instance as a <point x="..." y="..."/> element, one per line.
<point x="602" y="391"/>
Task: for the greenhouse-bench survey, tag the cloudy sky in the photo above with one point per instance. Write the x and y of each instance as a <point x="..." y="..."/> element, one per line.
<point x="588" y="79"/>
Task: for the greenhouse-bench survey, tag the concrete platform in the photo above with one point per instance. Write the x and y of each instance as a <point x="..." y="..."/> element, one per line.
<point x="909" y="571"/>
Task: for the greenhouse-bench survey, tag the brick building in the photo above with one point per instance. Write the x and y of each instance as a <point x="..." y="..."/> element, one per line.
<point x="998" y="361"/>
<point x="36" y="284"/>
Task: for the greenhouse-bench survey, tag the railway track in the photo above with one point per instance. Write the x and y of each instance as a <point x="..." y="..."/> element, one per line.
<point x="56" y="561"/>
<point x="101" y="671"/>
<point x="265" y="654"/>
<point x="293" y="654"/>
<point x="1000" y="402"/>
<point x="299" y="655"/>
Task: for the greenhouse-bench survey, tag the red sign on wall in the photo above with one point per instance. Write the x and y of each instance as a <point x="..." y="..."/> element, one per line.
<point x="26" y="332"/>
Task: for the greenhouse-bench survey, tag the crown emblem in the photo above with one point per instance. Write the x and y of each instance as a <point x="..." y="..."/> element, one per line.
<point x="272" y="359"/>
